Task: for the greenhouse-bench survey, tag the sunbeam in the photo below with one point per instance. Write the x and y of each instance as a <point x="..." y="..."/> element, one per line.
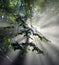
<point x="46" y="24"/>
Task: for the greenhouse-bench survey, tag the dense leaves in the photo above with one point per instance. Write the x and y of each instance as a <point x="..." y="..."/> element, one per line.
<point x="19" y="11"/>
<point x="22" y="45"/>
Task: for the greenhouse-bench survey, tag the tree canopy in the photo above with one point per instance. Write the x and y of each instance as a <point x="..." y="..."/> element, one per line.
<point x="18" y="11"/>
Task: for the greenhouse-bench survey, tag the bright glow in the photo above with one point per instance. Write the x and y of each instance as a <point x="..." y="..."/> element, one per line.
<point x="47" y="23"/>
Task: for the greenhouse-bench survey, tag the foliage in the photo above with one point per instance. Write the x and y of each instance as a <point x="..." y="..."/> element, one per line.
<point x="19" y="11"/>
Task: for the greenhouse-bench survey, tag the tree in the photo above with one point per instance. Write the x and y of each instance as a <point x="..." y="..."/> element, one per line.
<point x="18" y="12"/>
